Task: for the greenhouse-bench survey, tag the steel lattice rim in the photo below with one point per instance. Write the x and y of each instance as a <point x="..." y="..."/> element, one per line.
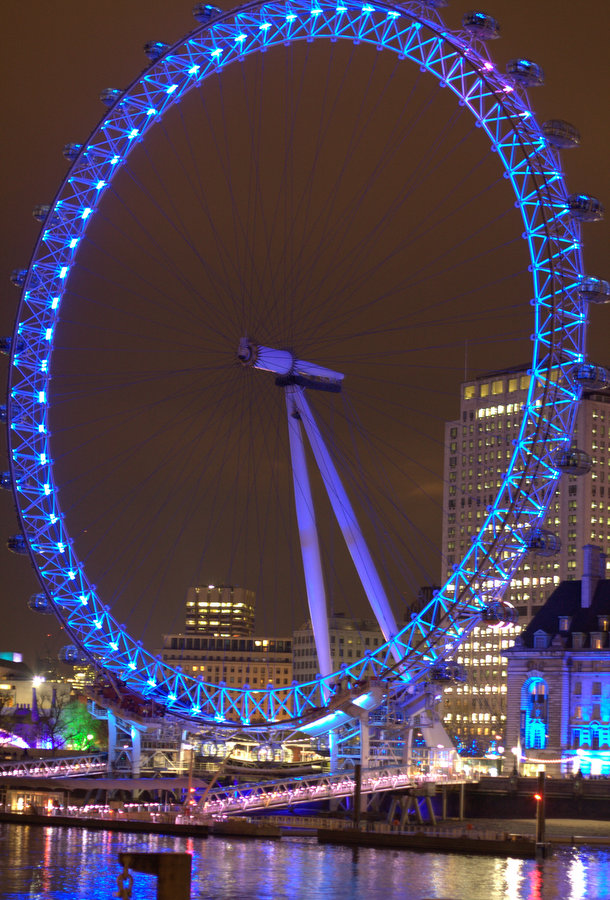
<point x="502" y="110"/>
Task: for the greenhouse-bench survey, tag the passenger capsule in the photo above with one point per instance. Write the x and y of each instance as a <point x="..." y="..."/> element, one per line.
<point x="43" y="213"/>
<point x="561" y="134"/>
<point x="6" y="481"/>
<point x="592" y="377"/>
<point x="544" y="543"/>
<point x="585" y="208"/>
<point x="6" y="344"/>
<point x="572" y="461"/>
<point x="526" y="72"/>
<point x="18" y="277"/>
<point x="71" y="655"/>
<point x="594" y="290"/>
<point x="203" y="12"/>
<point x="447" y="672"/>
<point x="109" y="96"/>
<point x="71" y="151"/>
<point x="481" y="25"/>
<point x="155" y="49"/>
<point x="3" y="413"/>
<point x="40" y="603"/>
<point x="17" y="544"/>
<point x="499" y="614"/>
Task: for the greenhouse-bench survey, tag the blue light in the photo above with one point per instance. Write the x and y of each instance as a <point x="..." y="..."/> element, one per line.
<point x="71" y="574"/>
<point x="151" y="112"/>
<point x="151" y="682"/>
<point x="100" y="185"/>
<point x="86" y="212"/>
<point x="42" y="397"/>
<point x="83" y="599"/>
<point x="264" y="26"/>
<point x="290" y="17"/>
<point x="48" y="334"/>
<point x="171" y="89"/>
<point x="53" y="520"/>
<point x="73" y="243"/>
<point x="392" y="14"/>
<point x="113" y="646"/>
<point x="61" y="547"/>
<point x="132" y="134"/>
<point x="42" y="429"/>
<point x="242" y="37"/>
<point x="63" y="271"/>
<point x="98" y="624"/>
<point x="46" y="489"/>
<point x="216" y="53"/>
<point x="193" y="70"/>
<point x="44" y="363"/>
<point x="132" y="665"/>
<point x="54" y="302"/>
<point x="114" y="160"/>
<point x="368" y="9"/>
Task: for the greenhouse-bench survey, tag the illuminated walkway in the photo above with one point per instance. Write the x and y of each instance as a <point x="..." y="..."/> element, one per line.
<point x="63" y="767"/>
<point x="286" y="793"/>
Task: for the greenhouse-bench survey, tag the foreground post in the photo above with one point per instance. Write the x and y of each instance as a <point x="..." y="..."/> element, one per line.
<point x="357" y="794"/>
<point x="172" y="870"/>
<point x="540" y="810"/>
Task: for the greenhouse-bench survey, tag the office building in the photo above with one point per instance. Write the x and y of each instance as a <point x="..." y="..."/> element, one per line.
<point x="221" y="610"/>
<point x="478" y="447"/>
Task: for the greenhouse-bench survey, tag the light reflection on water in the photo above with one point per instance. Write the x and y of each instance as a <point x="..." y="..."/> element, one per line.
<point x="73" y="864"/>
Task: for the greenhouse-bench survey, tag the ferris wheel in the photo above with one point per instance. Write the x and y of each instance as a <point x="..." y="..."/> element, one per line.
<point x="249" y="297"/>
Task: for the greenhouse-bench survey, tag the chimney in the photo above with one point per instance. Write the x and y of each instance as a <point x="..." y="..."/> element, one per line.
<point x="593" y="569"/>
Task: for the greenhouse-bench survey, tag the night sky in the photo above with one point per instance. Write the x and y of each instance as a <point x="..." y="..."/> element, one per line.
<point x="57" y="60"/>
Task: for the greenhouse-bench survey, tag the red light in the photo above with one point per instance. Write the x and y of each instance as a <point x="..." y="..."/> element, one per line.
<point x="537" y="796"/>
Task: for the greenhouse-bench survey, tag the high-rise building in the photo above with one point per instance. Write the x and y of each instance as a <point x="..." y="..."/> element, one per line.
<point x="220" y="610"/>
<point x="478" y="447"/>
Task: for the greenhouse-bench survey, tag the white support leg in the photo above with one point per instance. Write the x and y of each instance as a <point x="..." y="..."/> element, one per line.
<point x="348" y="523"/>
<point x="308" y="533"/>
<point x="111" y="718"/>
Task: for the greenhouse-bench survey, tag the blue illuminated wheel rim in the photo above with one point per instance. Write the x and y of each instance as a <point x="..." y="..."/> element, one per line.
<point x="501" y="109"/>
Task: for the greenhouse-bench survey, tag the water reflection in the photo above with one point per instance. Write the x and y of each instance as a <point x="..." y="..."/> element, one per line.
<point x="71" y="864"/>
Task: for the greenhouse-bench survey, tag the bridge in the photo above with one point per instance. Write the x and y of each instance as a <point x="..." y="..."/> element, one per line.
<point x="61" y="767"/>
<point x="247" y="798"/>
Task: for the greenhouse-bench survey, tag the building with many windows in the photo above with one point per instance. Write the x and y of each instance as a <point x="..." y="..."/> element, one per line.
<point x="478" y="447"/>
<point x="349" y="640"/>
<point x="255" y="661"/>
<point x="558" y="713"/>
<point x="222" y="610"/>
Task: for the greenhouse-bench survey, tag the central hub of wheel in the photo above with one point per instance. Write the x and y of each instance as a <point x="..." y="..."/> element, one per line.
<point x="287" y="368"/>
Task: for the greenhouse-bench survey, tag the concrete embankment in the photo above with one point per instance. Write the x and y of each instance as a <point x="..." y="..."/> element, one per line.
<point x="432" y="842"/>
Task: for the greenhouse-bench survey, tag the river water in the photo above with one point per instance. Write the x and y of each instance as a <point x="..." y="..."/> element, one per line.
<point x="75" y="864"/>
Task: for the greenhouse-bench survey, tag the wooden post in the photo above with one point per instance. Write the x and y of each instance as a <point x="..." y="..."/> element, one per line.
<point x="172" y="870"/>
<point x="540" y="810"/>
<point x="357" y="794"/>
<point x="462" y="795"/>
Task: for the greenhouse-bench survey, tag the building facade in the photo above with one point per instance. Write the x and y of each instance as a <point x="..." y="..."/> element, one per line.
<point x="255" y="662"/>
<point x="349" y="640"/>
<point x="558" y="711"/>
<point x="478" y="448"/>
<point x="222" y="610"/>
